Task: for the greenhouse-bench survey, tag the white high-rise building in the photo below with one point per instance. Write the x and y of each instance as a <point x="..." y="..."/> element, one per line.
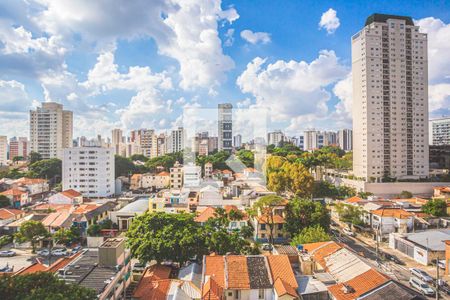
<point x="275" y="138"/>
<point x="89" y="170"/>
<point x="116" y="136"/>
<point x="237" y="141"/>
<point x="310" y="140"/>
<point x="51" y="129"/>
<point x="225" y="126"/>
<point x="192" y="175"/>
<point x="345" y="139"/>
<point x="175" y="141"/>
<point x="440" y="131"/>
<point x="147" y="139"/>
<point x="390" y="99"/>
<point x="3" y="150"/>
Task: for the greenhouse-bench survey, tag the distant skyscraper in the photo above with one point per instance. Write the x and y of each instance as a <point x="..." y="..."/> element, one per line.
<point x="176" y="140"/>
<point x="51" y="129"/>
<point x="147" y="140"/>
<point x="116" y="136"/>
<point x="237" y="141"/>
<point x="3" y="150"/>
<point x="225" y="126"/>
<point x="440" y="131"/>
<point x="390" y="99"/>
<point x="18" y="146"/>
<point x="310" y="140"/>
<point x="345" y="139"/>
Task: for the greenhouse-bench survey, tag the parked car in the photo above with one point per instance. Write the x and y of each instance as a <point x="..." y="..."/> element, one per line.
<point x="75" y="249"/>
<point x="266" y="247"/>
<point x="443" y="286"/>
<point x="7" y="253"/>
<point x="348" y="232"/>
<point x="418" y="284"/>
<point x="6" y="269"/>
<point x="393" y="258"/>
<point x="441" y="264"/>
<point x="421" y="275"/>
<point x="43" y="252"/>
<point x="59" y="252"/>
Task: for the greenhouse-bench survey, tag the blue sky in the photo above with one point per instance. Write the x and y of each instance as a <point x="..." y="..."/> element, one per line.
<point x="139" y="63"/>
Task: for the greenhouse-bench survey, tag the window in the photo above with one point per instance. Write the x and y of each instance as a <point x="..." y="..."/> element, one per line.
<point x="236" y="294"/>
<point x="261" y="294"/>
<point x="263" y="226"/>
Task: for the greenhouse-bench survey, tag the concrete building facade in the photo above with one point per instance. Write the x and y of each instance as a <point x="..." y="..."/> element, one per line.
<point x="440" y="131"/>
<point x="225" y="126"/>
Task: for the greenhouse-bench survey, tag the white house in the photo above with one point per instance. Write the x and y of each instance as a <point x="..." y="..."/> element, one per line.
<point x="66" y="197"/>
<point x="388" y="220"/>
<point x="89" y="170"/>
<point x="192" y="175"/>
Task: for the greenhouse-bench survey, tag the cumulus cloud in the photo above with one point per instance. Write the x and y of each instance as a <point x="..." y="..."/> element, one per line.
<point x="255" y="37"/>
<point x="329" y="21"/>
<point x="229" y="38"/>
<point x="292" y="90"/>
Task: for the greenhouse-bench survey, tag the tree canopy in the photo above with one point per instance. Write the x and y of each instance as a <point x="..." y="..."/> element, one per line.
<point x="34" y="157"/>
<point x="42" y="285"/>
<point x="265" y="207"/>
<point x="302" y="213"/>
<point x="31" y="231"/>
<point x="322" y="189"/>
<point x="435" y="207"/>
<point x="349" y="213"/>
<point x="123" y="166"/>
<point x="4" y="201"/>
<point x="311" y="234"/>
<point x="66" y="236"/>
<point x="46" y="168"/>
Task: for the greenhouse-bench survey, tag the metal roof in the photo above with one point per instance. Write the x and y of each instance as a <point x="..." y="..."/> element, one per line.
<point x="382" y="18"/>
<point x="138" y="206"/>
<point x="430" y="239"/>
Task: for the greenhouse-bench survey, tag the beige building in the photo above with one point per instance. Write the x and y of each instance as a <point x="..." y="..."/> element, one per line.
<point x="390" y="99"/>
<point x="3" y="150"/>
<point x="51" y="129"/>
<point x="176" y="176"/>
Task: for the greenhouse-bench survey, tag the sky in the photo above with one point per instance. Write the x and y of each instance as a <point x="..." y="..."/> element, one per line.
<point x="133" y="64"/>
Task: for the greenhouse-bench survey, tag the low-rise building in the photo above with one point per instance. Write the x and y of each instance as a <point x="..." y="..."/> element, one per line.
<point x="423" y="247"/>
<point x="17" y="197"/>
<point x="388" y="220"/>
<point x="150" y="181"/>
<point x="262" y="221"/>
<point x="176" y="176"/>
<point x="9" y="215"/>
<point x="248" y="277"/>
<point x="125" y="215"/>
<point x="234" y="224"/>
<point x="37" y="188"/>
<point x="66" y="197"/>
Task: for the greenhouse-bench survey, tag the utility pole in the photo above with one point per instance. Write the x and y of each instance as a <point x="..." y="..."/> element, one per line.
<point x="437" y="279"/>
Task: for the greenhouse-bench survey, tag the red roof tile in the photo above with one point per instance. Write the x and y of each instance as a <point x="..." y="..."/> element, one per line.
<point x="8" y="213"/>
<point x="353" y="199"/>
<point x="282" y="288"/>
<point x="280" y="267"/>
<point x="215" y="268"/>
<point x="237" y="272"/>
<point x="71" y="193"/>
<point x="153" y="283"/>
<point x="392" y="212"/>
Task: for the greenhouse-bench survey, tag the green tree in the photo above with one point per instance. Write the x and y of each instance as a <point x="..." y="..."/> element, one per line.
<point x="247" y="157"/>
<point x="364" y="195"/>
<point x="66" y="236"/>
<point x="301" y="213"/>
<point x="435" y="207"/>
<point x="312" y="234"/>
<point x="46" y="168"/>
<point x="160" y="236"/>
<point x="322" y="189"/>
<point x="265" y="206"/>
<point x="139" y="157"/>
<point x="94" y="230"/>
<point x="298" y="180"/>
<point x="349" y="213"/>
<point x="4" y="201"/>
<point x="42" y="285"/>
<point x="405" y="195"/>
<point x="17" y="158"/>
<point x="123" y="166"/>
<point x="32" y="231"/>
<point x="34" y="157"/>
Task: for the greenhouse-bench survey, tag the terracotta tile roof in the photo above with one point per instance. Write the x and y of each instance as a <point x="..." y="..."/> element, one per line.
<point x="320" y="253"/>
<point x="445" y="189"/>
<point x="56" y="207"/>
<point x="312" y="246"/>
<point x="237" y="272"/>
<point x="353" y="199"/>
<point x="277" y="219"/>
<point x="71" y="193"/>
<point x="208" y="213"/>
<point x="8" y="213"/>
<point x="250" y="170"/>
<point x="282" y="288"/>
<point x="392" y="212"/>
<point x="358" y="285"/>
<point x="154" y="283"/>
<point x="215" y="268"/>
<point x="29" y="181"/>
<point x="136" y="176"/>
<point x="163" y="174"/>
<point x="211" y="290"/>
<point x="56" y="219"/>
<point x="280" y="267"/>
<point x="36" y="267"/>
<point x="13" y="192"/>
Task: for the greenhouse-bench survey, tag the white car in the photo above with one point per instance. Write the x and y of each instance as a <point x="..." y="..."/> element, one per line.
<point x="43" y="252"/>
<point x="59" y="252"/>
<point x="348" y="232"/>
<point x="421" y="275"/>
<point x="424" y="288"/>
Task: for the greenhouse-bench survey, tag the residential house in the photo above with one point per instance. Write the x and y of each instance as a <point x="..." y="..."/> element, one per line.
<point x="262" y="221"/>
<point x="36" y="187"/>
<point x="125" y="215"/>
<point x="17" y="197"/>
<point x="9" y="215"/>
<point x="176" y="176"/>
<point x="66" y="197"/>
<point x="442" y="192"/>
<point x="210" y="212"/>
<point x="150" y="181"/>
<point x="388" y="220"/>
<point x="248" y="277"/>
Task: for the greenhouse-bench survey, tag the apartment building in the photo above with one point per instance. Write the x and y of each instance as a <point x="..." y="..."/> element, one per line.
<point x="440" y="131"/>
<point x="345" y="139"/>
<point x="18" y="147"/>
<point x="275" y="138"/>
<point x="225" y="126"/>
<point x="176" y="176"/>
<point x="51" y="129"/>
<point x="390" y="99"/>
<point x="175" y="142"/>
<point x="89" y="170"/>
<point x="237" y="141"/>
<point x="3" y="150"/>
<point x="147" y="140"/>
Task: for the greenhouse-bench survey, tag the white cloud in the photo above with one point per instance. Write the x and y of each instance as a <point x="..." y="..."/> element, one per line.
<point x="329" y="21"/>
<point x="229" y="38"/>
<point x="184" y="30"/>
<point x="439" y="95"/>
<point x="292" y="90"/>
<point x="255" y="37"/>
<point x="343" y="109"/>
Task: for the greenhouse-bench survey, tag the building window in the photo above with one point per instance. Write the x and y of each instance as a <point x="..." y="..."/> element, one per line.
<point x="236" y="294"/>
<point x="263" y="226"/>
<point x="261" y="294"/>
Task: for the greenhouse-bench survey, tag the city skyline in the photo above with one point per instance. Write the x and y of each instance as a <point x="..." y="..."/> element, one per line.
<point x="133" y="78"/>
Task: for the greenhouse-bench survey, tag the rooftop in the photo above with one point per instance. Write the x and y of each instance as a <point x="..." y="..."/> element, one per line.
<point x="431" y="239"/>
<point x="382" y="18"/>
<point x="138" y="206"/>
<point x="8" y="213"/>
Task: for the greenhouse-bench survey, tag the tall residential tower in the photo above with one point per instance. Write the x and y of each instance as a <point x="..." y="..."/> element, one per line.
<point x="225" y="127"/>
<point x="390" y="99"/>
<point x="51" y="129"/>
